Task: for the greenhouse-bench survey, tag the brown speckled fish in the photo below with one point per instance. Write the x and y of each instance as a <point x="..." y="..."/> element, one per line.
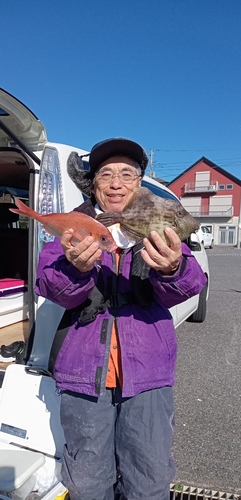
<point x="147" y="212"/>
<point x="82" y="224"/>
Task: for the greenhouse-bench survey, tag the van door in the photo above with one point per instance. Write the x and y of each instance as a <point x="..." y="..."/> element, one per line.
<point x="24" y="154"/>
<point x="22" y="137"/>
<point x="57" y="193"/>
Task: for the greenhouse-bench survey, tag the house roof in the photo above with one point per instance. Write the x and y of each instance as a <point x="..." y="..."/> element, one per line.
<point x="162" y="181"/>
<point x="211" y="165"/>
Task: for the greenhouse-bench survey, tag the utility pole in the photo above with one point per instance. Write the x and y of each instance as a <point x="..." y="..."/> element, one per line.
<point x="151" y="174"/>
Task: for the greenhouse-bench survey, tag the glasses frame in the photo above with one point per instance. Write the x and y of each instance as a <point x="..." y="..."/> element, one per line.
<point x="113" y="175"/>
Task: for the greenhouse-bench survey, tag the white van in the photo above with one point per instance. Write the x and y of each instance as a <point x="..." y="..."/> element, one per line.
<point x="34" y="169"/>
<point x="205" y="236"/>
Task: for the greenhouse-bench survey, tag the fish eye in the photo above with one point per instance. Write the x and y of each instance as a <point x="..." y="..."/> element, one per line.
<point x="103" y="238"/>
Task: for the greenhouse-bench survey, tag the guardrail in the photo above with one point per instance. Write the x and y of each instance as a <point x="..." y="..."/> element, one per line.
<point x="201" y="187"/>
<point x="210" y="212"/>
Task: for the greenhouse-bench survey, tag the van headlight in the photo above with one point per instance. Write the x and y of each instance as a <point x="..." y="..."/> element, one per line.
<point x="50" y="190"/>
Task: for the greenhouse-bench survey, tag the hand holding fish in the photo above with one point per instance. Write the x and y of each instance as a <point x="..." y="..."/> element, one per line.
<point x="84" y="254"/>
<point x="158" y="255"/>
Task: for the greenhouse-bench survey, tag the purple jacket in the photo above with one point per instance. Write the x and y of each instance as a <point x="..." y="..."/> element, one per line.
<point x="147" y="336"/>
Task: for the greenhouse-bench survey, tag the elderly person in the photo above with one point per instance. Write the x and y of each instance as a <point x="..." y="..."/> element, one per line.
<point x="114" y="353"/>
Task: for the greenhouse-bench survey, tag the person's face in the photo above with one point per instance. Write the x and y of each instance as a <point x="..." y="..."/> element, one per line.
<point x="112" y="192"/>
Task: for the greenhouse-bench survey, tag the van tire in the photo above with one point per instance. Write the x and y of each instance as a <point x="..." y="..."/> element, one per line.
<point x="211" y="246"/>
<point x="200" y="314"/>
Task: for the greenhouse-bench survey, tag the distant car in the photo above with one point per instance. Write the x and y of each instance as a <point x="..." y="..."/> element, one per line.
<point x="205" y="236"/>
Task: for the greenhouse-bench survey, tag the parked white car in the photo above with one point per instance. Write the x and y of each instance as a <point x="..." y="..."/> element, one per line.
<point x="205" y="236"/>
<point x="35" y="170"/>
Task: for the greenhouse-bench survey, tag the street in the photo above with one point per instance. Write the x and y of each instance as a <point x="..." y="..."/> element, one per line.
<point x="207" y="437"/>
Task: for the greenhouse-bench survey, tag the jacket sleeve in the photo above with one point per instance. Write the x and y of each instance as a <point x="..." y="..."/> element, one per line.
<point x="186" y="282"/>
<point x="59" y="281"/>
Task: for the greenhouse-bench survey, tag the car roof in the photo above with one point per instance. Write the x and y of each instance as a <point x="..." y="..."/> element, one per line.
<point x="158" y="189"/>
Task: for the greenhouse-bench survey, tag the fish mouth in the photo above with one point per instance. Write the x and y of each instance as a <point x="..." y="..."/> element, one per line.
<point x="113" y="248"/>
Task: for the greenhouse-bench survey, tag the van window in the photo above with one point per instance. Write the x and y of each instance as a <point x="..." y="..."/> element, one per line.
<point x="14" y="234"/>
<point x="7" y="201"/>
<point x="158" y="191"/>
<point x="206" y="229"/>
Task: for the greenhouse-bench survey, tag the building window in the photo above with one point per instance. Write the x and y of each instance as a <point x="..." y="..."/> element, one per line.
<point x="229" y="186"/>
<point x="227" y="235"/>
<point x="221" y="187"/>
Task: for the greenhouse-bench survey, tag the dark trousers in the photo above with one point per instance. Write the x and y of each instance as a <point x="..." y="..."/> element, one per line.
<point x="118" y="448"/>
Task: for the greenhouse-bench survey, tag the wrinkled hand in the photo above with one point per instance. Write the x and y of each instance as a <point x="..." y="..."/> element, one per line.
<point x="158" y="255"/>
<point x="82" y="255"/>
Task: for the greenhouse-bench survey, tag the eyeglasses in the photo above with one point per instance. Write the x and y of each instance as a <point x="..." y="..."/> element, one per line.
<point x="125" y="177"/>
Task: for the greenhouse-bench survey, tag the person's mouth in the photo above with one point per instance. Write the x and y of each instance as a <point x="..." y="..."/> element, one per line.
<point x="115" y="198"/>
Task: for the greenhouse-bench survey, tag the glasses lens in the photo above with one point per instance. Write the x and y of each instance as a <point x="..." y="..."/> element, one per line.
<point x="104" y="176"/>
<point x="127" y="177"/>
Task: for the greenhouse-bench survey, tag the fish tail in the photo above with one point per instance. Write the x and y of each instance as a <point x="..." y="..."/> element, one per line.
<point x="108" y="218"/>
<point x="23" y="209"/>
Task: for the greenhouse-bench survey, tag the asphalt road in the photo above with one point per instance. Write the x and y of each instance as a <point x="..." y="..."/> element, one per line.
<point x="207" y="437"/>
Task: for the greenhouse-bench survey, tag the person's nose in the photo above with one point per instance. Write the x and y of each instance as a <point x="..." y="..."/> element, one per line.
<point x="116" y="181"/>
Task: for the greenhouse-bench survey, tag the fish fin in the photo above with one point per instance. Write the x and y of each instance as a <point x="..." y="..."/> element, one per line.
<point x="108" y="218"/>
<point x="131" y="234"/>
<point x="14" y="210"/>
<point x="22" y="208"/>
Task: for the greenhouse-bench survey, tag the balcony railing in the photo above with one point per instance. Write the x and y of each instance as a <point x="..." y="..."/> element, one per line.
<point x="201" y="187"/>
<point x="218" y="211"/>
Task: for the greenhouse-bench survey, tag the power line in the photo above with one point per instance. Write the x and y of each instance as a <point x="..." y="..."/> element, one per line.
<point x="174" y="168"/>
<point x="219" y="162"/>
<point x="198" y="150"/>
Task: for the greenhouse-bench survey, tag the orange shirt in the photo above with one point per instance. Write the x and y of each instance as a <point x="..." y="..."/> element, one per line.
<point x="114" y="365"/>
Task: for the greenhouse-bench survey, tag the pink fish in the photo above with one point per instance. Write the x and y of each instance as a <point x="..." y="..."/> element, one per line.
<point x="82" y="224"/>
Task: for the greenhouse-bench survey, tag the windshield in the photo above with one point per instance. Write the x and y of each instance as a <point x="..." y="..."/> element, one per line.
<point x="158" y="191"/>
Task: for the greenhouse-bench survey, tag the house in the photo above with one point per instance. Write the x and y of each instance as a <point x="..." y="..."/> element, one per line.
<point x="213" y="196"/>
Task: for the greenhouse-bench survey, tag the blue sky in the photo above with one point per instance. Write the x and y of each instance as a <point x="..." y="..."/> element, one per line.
<point x="166" y="73"/>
